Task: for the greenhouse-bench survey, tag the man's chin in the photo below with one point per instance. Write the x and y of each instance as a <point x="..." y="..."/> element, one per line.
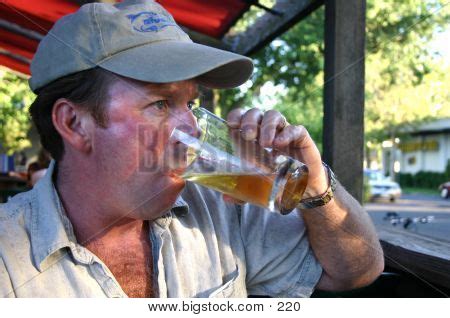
<point x="160" y="204"/>
<point x="176" y="185"/>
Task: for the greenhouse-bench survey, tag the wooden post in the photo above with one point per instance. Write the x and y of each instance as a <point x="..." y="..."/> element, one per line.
<point x="269" y="26"/>
<point x="343" y="136"/>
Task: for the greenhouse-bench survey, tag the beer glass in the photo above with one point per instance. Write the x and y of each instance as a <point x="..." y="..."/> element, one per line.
<point x="217" y="157"/>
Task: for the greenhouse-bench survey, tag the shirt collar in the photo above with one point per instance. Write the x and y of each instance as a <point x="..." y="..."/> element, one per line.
<point x="51" y="230"/>
<point x="180" y="208"/>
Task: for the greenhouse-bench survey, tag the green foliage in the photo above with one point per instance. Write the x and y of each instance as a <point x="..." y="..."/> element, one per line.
<point x="398" y="31"/>
<point x="404" y="84"/>
<point x="366" y="191"/>
<point x="15" y="98"/>
<point x="294" y="61"/>
<point x="423" y="191"/>
<point x="405" y="105"/>
<point x="251" y="15"/>
<point x="425" y="179"/>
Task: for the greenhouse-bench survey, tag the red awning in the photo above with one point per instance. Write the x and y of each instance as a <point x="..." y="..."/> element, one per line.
<point x="210" y="17"/>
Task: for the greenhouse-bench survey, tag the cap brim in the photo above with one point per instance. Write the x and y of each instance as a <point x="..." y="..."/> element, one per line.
<point x="173" y="61"/>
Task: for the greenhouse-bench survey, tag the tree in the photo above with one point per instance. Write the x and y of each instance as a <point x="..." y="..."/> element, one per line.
<point x="405" y="105"/>
<point x="397" y="62"/>
<point x="15" y="98"/>
<point x="294" y="62"/>
<point x="402" y="78"/>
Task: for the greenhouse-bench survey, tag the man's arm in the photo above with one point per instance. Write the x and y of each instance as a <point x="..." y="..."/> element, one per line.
<point x="345" y="242"/>
<point x="341" y="234"/>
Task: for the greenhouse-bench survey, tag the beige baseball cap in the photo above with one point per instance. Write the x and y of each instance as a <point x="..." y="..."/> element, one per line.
<point x="138" y="39"/>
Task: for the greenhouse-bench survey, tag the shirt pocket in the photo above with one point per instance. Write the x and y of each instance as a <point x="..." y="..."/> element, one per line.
<point x="230" y="288"/>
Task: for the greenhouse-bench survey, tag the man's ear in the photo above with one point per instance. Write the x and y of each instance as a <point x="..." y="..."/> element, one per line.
<point x="73" y="124"/>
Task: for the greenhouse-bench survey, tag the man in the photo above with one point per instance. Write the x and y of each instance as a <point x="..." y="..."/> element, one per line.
<point x="106" y="220"/>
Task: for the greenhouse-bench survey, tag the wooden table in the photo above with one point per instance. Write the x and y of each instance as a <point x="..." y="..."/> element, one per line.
<point x="425" y="257"/>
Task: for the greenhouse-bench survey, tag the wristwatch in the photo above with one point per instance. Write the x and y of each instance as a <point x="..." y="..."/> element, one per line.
<point x="321" y="200"/>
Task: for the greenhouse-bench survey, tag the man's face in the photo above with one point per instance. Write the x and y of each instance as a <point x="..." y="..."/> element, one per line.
<point x="129" y="153"/>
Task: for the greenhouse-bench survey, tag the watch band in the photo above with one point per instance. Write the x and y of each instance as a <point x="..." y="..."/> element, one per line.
<point x="324" y="198"/>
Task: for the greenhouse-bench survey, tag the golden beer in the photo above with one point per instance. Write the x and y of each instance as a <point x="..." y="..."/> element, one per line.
<point x="219" y="158"/>
<point x="253" y="188"/>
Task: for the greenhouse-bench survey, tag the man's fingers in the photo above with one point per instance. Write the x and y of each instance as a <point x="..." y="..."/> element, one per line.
<point x="272" y="122"/>
<point x="289" y="134"/>
<point x="234" y="118"/>
<point x="250" y="123"/>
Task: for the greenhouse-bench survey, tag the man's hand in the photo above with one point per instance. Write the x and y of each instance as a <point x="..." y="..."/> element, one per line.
<point x="341" y="233"/>
<point x="272" y="130"/>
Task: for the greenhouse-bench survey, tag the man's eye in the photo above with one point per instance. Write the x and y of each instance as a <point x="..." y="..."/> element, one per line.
<point x="161" y="104"/>
<point x="193" y="104"/>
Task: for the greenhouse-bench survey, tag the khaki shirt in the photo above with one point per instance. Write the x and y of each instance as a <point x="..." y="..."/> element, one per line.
<point x="202" y="247"/>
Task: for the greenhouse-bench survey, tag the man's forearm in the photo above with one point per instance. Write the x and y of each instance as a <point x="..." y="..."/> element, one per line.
<point x="345" y="242"/>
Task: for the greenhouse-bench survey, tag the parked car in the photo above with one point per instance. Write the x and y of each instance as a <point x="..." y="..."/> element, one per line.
<point x="382" y="187"/>
<point x="445" y="190"/>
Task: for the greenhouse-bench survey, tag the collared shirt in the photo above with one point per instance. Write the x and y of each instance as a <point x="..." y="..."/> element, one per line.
<point x="202" y="247"/>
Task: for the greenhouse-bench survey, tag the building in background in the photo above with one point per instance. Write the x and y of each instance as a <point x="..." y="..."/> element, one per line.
<point x="426" y="148"/>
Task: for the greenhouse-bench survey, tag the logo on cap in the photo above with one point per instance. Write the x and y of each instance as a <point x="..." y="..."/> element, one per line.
<point x="150" y="21"/>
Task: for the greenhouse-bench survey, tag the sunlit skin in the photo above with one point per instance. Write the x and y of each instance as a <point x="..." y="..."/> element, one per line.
<point x="355" y="258"/>
<point x="125" y="157"/>
<point x="130" y="150"/>
<point x="111" y="179"/>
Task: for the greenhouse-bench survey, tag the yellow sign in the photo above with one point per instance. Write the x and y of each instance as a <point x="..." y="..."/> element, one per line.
<point x="430" y="145"/>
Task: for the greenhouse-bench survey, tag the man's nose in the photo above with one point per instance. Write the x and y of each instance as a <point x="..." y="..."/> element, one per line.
<point x="186" y="122"/>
